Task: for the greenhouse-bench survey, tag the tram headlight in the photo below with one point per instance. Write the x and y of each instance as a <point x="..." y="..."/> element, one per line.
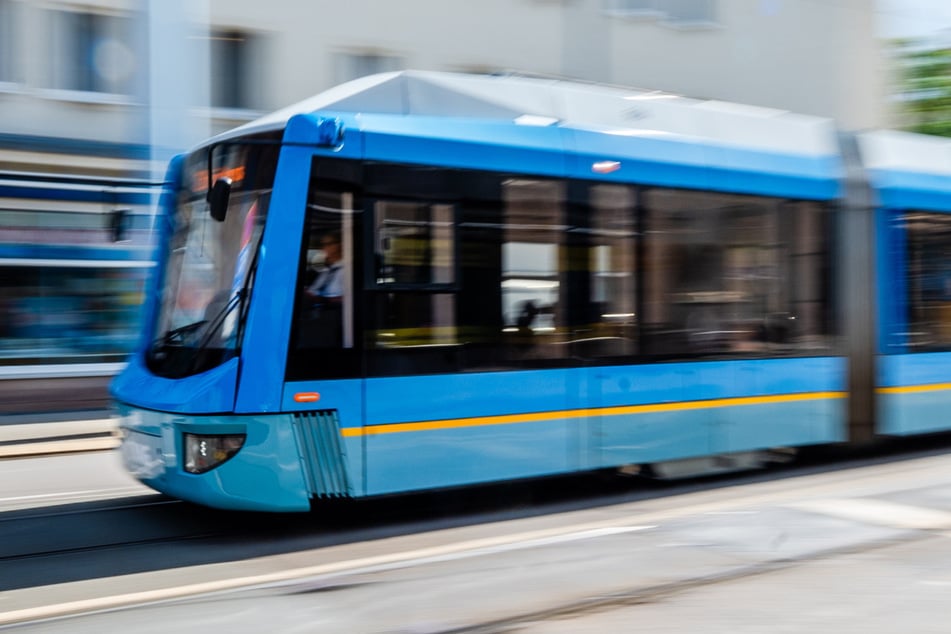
<point x="204" y="452"/>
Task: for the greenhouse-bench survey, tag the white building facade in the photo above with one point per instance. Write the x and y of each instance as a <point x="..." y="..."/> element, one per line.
<point x="76" y="76"/>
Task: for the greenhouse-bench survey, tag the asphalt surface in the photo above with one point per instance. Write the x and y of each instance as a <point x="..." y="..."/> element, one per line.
<point x="858" y="548"/>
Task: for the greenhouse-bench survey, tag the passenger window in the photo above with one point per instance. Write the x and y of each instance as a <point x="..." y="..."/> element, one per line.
<point x="414" y="243"/>
<point x="604" y="292"/>
<point x="928" y="281"/>
<point x="534" y="266"/>
<point x="325" y="295"/>
<point x="730" y="274"/>
<point x="324" y="332"/>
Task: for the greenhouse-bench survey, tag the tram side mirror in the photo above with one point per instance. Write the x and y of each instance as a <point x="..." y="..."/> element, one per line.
<point x="119" y="224"/>
<point x="218" y="199"/>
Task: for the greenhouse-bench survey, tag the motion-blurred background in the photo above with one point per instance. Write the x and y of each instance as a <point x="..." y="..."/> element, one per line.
<point x="97" y="95"/>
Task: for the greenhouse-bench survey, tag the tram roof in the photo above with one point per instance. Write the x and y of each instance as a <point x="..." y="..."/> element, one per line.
<point x="539" y="101"/>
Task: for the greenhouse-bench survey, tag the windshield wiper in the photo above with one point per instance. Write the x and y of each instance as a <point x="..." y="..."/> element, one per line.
<point x="236" y="300"/>
<point x="191" y="339"/>
<point x="179" y="333"/>
<point x="219" y="318"/>
<point x="190" y="342"/>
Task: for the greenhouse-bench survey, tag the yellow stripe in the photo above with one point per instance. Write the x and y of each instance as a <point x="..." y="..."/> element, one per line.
<point x="908" y="389"/>
<point x="535" y="417"/>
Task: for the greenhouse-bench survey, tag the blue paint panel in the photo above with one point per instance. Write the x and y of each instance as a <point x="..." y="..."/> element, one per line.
<point x="210" y="392"/>
<point x="891" y="288"/>
<point x="914" y="369"/>
<point x="483" y="453"/>
<point x="914" y="413"/>
<point x="453" y="457"/>
<point x="752" y="427"/>
<point x="654" y="437"/>
<point x="271" y="310"/>
<point x="492" y="145"/>
<point x="661" y="436"/>
<point x="652" y="160"/>
<point x="819" y="169"/>
<point x="345" y="396"/>
<point x="449" y="396"/>
<point x="356" y="464"/>
<point x="272" y="298"/>
<point x="923" y="200"/>
<point x="265" y="475"/>
<point x="439" y="397"/>
<point x="778" y="185"/>
<point x="650" y="437"/>
<point x="676" y="382"/>
<point x="912" y="190"/>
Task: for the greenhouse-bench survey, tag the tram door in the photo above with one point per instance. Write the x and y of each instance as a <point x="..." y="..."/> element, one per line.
<point x="602" y="286"/>
<point x="324" y="357"/>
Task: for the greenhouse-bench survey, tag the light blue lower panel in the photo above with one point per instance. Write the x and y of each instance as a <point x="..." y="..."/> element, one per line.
<point x="684" y="433"/>
<point x="914" y="412"/>
<point x="915" y="399"/>
<point x="452" y="457"/>
<point x="265" y="475"/>
<point x="661" y="436"/>
<point x="788" y="424"/>
<point x="655" y="437"/>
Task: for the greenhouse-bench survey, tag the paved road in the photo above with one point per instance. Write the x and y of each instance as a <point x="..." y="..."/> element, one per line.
<point x="852" y="550"/>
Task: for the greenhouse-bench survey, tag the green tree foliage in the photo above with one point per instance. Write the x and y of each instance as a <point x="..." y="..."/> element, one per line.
<point x="926" y="89"/>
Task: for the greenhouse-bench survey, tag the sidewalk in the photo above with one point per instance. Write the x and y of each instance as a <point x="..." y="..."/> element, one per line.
<point x="63" y="432"/>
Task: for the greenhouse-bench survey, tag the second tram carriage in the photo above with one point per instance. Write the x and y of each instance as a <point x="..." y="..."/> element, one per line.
<point x="420" y="280"/>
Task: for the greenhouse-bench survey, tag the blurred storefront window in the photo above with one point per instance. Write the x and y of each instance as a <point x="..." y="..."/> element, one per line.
<point x="68" y="292"/>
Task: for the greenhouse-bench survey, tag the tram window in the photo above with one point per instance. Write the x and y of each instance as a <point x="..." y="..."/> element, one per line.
<point x="512" y="266"/>
<point x="412" y="333"/>
<point x="601" y="273"/>
<point x="414" y="243"/>
<point x="729" y="274"/>
<point x="928" y="280"/>
<point x="325" y="326"/>
<point x="809" y="290"/>
<point x="534" y="268"/>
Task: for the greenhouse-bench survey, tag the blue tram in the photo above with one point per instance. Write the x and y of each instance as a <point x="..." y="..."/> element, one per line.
<point x="912" y="177"/>
<point x="420" y="280"/>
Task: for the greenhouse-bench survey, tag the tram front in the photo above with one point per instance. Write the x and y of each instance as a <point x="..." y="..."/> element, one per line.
<point x="176" y="397"/>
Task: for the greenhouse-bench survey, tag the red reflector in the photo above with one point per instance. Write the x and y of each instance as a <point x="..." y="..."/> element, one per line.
<point x="306" y="397"/>
<point x="605" y="167"/>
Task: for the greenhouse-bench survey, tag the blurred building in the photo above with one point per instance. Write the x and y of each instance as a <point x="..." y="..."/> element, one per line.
<point x="75" y="74"/>
<point x="99" y="90"/>
<point x="820" y="58"/>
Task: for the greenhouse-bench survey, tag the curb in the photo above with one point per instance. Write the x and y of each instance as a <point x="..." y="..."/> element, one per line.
<point x="41" y="439"/>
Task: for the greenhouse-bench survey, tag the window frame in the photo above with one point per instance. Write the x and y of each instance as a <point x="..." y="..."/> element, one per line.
<point x="371" y="279"/>
<point x="914" y="311"/>
<point x="72" y="44"/>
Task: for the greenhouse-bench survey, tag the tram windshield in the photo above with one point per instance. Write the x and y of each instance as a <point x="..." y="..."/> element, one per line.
<point x="210" y="264"/>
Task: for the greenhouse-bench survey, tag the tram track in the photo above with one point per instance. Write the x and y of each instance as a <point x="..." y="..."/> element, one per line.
<point x="81" y="540"/>
<point x="71" y="542"/>
<point x="350" y="568"/>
